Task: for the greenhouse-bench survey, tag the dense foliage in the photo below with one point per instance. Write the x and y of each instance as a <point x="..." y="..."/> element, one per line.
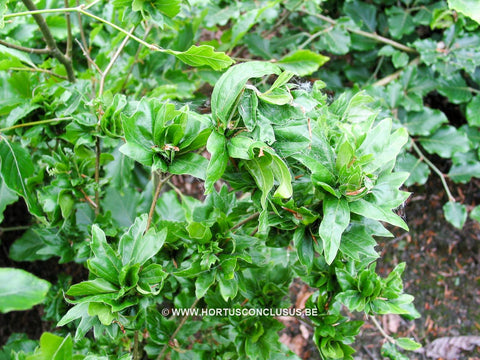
<point x="103" y="103"/>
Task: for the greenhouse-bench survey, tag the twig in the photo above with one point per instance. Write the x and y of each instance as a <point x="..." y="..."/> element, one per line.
<point x="68" y="50"/>
<point x="26" y="49"/>
<point x="33" y="123"/>
<point x="51" y="43"/>
<point x="155" y="199"/>
<point x="90" y="201"/>
<point x="135" y="59"/>
<point x="98" y="153"/>
<point x="434" y="168"/>
<point x="366" y="34"/>
<point x="314" y="36"/>
<point x="14" y="228"/>
<point x="243" y="222"/>
<point x="379" y="327"/>
<point x="89" y="59"/>
<point x="177" y="330"/>
<point x="395" y="75"/>
<point x="112" y="62"/>
<point x="82" y="35"/>
<point x="45" y="71"/>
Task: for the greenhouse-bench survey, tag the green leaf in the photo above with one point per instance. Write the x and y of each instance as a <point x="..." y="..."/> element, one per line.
<point x="20" y="290"/>
<point x="105" y="263"/>
<point x="261" y="171"/>
<point x="390" y="350"/>
<point x="303" y="62"/>
<point x="399" y="59"/>
<point x="190" y="164"/>
<point x="455" y="214"/>
<point x="425" y="122"/>
<point x="168" y="7"/>
<point x="217" y="147"/>
<point x="53" y="347"/>
<point x="91" y="287"/>
<point x="473" y="112"/>
<point x="204" y="281"/>
<point x="203" y="55"/>
<point x="336" y="217"/>
<point x="407" y="344"/>
<point x="376" y="212"/>
<point x="3" y="10"/>
<point x="454" y="88"/>
<point x="228" y="287"/>
<point x="103" y="311"/>
<point x="400" y="22"/>
<point x="16" y="168"/>
<point x="470" y="8"/>
<point x="419" y="171"/>
<point x="303" y="243"/>
<point x="230" y="85"/>
<point x="336" y="40"/>
<point x="445" y="142"/>
<point x="475" y="214"/>
<point x="382" y="145"/>
<point x="135" y="247"/>
<point x="7" y="197"/>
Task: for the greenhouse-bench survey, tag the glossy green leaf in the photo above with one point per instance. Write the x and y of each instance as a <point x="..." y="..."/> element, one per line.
<point x="304" y="245"/>
<point x="473" y="112"/>
<point x="376" y="212"/>
<point x="203" y="55"/>
<point x="470" y="8"/>
<point x="20" y="290"/>
<point x="475" y="213"/>
<point x="454" y="88"/>
<point x="217" y="147"/>
<point x="53" y="347"/>
<point x="7" y="197"/>
<point x="303" y="62"/>
<point x="16" y="168"/>
<point x="445" y="142"/>
<point x="261" y="171"/>
<point x="91" y="287"/>
<point x="103" y="311"/>
<point x="407" y="344"/>
<point x="230" y="85"/>
<point x="136" y="246"/>
<point x="336" y="217"/>
<point x="400" y="22"/>
<point x="336" y="40"/>
<point x="419" y="171"/>
<point x="425" y="123"/>
<point x="455" y="214"/>
<point x="105" y="263"/>
<point x="189" y="164"/>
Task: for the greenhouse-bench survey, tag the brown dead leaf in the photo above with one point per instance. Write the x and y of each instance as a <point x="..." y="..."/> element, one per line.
<point x="450" y="348"/>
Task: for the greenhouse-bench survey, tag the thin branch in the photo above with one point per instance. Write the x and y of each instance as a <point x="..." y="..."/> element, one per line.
<point x="45" y="71"/>
<point x="26" y="49"/>
<point x="90" y="201"/>
<point x="14" y="228"/>
<point x="98" y="153"/>
<point x="33" y="123"/>
<point x="435" y="169"/>
<point x="177" y="330"/>
<point x="243" y="222"/>
<point x="314" y="36"/>
<point x="366" y="34"/>
<point x="82" y="36"/>
<point x="386" y="80"/>
<point x="379" y="327"/>
<point x="155" y="199"/>
<point x="68" y="50"/>
<point x="51" y="43"/>
<point x="135" y="59"/>
<point x="112" y="62"/>
<point x="89" y="59"/>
